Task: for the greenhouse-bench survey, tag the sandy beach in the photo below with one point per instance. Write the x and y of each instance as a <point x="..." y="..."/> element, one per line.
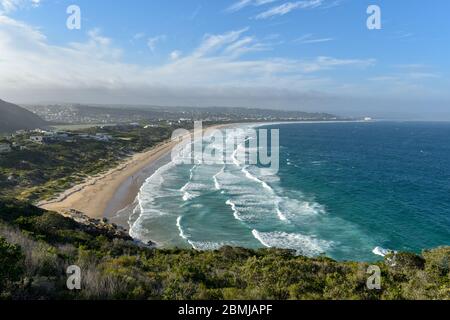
<point x="105" y="194"/>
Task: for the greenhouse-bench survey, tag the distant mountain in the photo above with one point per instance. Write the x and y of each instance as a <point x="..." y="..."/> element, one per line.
<point x="13" y="117"/>
<point x="82" y="114"/>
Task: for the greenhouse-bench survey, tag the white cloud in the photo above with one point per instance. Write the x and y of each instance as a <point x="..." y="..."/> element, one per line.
<point x="408" y="74"/>
<point x="216" y="72"/>
<point x="287" y="7"/>
<point x="332" y="4"/>
<point x="152" y="42"/>
<point x="309" y="38"/>
<point x="7" y="6"/>
<point x="175" y="55"/>
<point x="241" y="4"/>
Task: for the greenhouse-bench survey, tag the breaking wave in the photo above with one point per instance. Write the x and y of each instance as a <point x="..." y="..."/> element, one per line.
<point x="303" y="245"/>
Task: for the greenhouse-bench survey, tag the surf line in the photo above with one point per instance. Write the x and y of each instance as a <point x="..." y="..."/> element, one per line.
<point x="216" y="181"/>
<point x="249" y="176"/>
<point x="214" y="148"/>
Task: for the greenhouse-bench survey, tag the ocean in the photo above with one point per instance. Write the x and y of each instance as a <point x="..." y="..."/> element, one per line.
<point x="345" y="190"/>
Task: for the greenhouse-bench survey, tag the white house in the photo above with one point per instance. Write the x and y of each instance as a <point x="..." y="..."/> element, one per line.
<point x="102" y="137"/>
<point x="37" y="139"/>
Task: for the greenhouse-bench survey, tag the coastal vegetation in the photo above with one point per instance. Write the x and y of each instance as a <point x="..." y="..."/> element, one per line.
<point x="37" y="246"/>
<point x="37" y="171"/>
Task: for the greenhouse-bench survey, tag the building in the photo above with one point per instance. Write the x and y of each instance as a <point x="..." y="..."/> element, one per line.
<point x="5" y="148"/>
<point x="37" y="139"/>
<point x="102" y="137"/>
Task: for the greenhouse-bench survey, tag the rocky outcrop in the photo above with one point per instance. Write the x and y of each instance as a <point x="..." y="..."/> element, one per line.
<point x="102" y="226"/>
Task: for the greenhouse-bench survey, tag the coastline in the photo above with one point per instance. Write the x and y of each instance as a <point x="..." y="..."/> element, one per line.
<point x="106" y="194"/>
<point x="112" y="194"/>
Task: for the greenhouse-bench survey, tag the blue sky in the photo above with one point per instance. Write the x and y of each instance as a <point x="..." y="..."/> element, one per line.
<point x="315" y="55"/>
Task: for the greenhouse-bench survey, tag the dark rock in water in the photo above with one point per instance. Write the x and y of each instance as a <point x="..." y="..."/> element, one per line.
<point x="151" y="244"/>
<point x="148" y="244"/>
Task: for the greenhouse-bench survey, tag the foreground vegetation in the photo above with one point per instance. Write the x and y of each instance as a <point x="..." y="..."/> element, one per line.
<point x="37" y="246"/>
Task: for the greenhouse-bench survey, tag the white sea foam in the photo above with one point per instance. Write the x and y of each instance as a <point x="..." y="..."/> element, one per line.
<point x="298" y="207"/>
<point x="216" y="178"/>
<point x="207" y="245"/>
<point x="149" y="191"/>
<point x="234" y="158"/>
<point x="264" y="184"/>
<point x="188" y="196"/>
<point x="256" y="179"/>
<point x="183" y="188"/>
<point x="302" y="244"/>
<point x="191" y="189"/>
<point x="252" y="199"/>
<point x="180" y="229"/>
<point x="235" y="211"/>
<point x="184" y="236"/>
<point x="379" y="251"/>
<point x="201" y="245"/>
<point x="280" y="214"/>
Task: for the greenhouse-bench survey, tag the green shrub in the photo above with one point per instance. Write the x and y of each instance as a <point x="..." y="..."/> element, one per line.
<point x="11" y="261"/>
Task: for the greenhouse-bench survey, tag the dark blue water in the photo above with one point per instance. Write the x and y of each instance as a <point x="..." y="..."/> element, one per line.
<point x="390" y="180"/>
<point x="342" y="190"/>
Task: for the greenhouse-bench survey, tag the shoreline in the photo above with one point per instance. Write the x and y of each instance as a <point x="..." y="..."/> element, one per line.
<point x="108" y="194"/>
<point x="115" y="190"/>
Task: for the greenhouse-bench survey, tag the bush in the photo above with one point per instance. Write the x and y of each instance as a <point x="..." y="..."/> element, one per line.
<point x="37" y="246"/>
<point x="11" y="261"/>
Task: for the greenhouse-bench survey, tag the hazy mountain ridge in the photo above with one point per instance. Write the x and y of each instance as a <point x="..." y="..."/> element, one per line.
<point x="13" y="117"/>
<point x="79" y="114"/>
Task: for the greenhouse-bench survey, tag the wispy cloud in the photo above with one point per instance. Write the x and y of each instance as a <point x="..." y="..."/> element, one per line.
<point x="309" y="38"/>
<point x="287" y="7"/>
<point x="241" y="4"/>
<point x="153" y="41"/>
<point x="8" y="6"/>
<point x="402" y="35"/>
<point x="332" y="4"/>
<point x="138" y="35"/>
<point x="195" y="13"/>
<point x="231" y="44"/>
<point x="175" y="55"/>
<point x="408" y="74"/>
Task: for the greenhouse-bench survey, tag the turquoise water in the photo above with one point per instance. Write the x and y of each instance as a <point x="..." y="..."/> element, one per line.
<point x="342" y="190"/>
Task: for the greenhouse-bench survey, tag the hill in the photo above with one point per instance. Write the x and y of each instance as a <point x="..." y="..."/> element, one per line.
<point x="15" y="118"/>
<point x="85" y="114"/>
